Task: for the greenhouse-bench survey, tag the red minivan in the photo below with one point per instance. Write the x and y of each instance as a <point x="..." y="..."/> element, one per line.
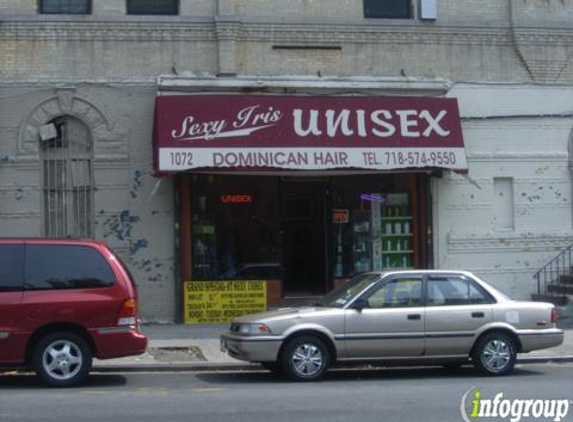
<point x="63" y="302"/>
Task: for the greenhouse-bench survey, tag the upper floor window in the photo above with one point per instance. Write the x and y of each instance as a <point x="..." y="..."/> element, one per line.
<point x="152" y="7"/>
<point x="388" y="9"/>
<point x="72" y="7"/>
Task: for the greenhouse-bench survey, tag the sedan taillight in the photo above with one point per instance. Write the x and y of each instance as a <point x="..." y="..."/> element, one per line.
<point x="554" y="315"/>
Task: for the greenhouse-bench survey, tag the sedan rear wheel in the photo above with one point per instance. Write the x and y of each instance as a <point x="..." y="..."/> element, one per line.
<point x="305" y="358"/>
<point x="62" y="359"/>
<point x="495" y="354"/>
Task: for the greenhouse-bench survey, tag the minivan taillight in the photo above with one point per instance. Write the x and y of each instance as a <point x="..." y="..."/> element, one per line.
<point x="127" y="314"/>
<point x="554" y="315"/>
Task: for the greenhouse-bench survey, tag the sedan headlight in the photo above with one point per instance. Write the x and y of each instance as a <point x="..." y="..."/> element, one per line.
<point x="253" y="329"/>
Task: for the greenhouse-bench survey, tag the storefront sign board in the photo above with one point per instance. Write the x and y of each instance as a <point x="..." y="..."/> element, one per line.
<point x="217" y="302"/>
<point x="253" y="133"/>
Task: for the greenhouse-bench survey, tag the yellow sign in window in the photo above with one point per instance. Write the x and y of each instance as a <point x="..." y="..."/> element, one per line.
<point x="218" y="302"/>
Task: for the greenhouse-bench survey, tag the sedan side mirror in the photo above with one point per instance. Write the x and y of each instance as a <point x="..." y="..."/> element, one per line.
<point x="360" y="304"/>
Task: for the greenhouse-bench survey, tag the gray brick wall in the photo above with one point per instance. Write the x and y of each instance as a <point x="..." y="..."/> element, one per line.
<point x="111" y="61"/>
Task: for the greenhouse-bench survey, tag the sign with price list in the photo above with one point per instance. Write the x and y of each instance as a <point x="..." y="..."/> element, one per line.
<point x="217" y="302"/>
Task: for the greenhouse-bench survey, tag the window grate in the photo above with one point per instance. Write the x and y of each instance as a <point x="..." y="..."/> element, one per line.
<point x="67" y="180"/>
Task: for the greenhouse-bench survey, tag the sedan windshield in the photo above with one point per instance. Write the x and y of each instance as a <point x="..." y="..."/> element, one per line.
<point x="341" y="296"/>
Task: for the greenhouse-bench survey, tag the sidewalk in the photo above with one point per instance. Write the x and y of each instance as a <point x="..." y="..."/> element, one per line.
<point x="196" y="347"/>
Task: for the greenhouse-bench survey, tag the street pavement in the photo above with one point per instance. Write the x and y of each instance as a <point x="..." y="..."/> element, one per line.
<point x="196" y="347"/>
<point x="377" y="395"/>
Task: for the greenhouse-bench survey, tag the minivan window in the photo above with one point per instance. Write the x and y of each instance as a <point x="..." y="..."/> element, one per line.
<point x="11" y="267"/>
<point x="65" y="267"/>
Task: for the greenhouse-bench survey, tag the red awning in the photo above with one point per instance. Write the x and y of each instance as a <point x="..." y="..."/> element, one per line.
<point x="255" y="132"/>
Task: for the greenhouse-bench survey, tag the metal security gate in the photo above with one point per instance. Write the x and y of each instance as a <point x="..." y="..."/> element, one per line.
<point x="67" y="180"/>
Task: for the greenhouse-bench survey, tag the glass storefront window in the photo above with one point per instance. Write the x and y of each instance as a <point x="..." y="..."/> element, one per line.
<point x="308" y="232"/>
<point x="377" y="235"/>
<point x="235" y="228"/>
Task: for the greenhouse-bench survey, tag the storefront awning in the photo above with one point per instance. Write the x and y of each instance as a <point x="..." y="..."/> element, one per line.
<point x="257" y="132"/>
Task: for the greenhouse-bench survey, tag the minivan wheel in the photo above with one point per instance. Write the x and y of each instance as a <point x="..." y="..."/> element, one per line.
<point x="62" y="359"/>
<point x="305" y="358"/>
<point x="495" y="354"/>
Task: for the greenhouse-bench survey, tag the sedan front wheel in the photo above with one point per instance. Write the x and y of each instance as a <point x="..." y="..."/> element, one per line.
<point x="305" y="358"/>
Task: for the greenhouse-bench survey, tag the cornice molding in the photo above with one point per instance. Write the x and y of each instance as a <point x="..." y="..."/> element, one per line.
<point x="374" y="34"/>
<point x="227" y="29"/>
<point x="109" y="31"/>
<point x="232" y="27"/>
<point x="544" y="36"/>
<point x="510" y="242"/>
<point x="314" y="33"/>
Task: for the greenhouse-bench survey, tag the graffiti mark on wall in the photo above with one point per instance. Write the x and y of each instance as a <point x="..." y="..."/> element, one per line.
<point x="20" y="195"/>
<point x="137" y="183"/>
<point x="120" y="225"/>
<point x="137" y="245"/>
<point x="152" y="270"/>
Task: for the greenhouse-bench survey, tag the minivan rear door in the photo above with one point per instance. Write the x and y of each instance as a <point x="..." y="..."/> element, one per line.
<point x="11" y="285"/>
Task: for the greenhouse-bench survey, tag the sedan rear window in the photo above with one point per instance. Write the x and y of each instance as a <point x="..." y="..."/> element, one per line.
<point x="65" y="267"/>
<point x="447" y="291"/>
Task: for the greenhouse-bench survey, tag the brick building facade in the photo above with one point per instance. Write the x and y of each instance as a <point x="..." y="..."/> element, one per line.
<point x="509" y="63"/>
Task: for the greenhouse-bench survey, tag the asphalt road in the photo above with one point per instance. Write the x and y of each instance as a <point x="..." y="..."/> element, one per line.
<point x="412" y="394"/>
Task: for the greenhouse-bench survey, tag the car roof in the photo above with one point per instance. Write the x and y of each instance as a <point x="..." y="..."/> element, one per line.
<point x="49" y="241"/>
<point x="406" y="272"/>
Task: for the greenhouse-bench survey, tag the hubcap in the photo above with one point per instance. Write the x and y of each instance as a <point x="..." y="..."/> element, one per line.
<point x="496" y="355"/>
<point x="62" y="359"/>
<point x="307" y="359"/>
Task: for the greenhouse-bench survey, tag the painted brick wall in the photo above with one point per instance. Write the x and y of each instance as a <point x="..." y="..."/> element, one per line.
<point x="531" y="148"/>
<point x="448" y="10"/>
<point x="17" y="7"/>
<point x="133" y="213"/>
<point x="113" y="63"/>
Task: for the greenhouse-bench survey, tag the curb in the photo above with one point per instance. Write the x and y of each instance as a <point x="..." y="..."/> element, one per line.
<point x="546" y="359"/>
<point x="206" y="366"/>
<point x="178" y="367"/>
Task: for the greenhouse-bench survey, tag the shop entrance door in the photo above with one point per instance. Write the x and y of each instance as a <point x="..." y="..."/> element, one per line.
<point x="304" y="237"/>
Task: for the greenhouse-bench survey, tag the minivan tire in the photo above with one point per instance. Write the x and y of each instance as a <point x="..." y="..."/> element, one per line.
<point x="305" y="358"/>
<point x="62" y="359"/>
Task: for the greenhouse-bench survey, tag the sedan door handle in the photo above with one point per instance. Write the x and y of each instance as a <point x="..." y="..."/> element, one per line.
<point x="414" y="317"/>
<point x="478" y="315"/>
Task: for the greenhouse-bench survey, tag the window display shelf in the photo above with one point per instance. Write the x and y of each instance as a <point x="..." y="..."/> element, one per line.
<point x="397" y="235"/>
<point x="397" y="252"/>
<point x="406" y="217"/>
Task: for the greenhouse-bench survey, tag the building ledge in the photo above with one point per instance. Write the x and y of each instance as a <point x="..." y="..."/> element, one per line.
<point x="304" y="84"/>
